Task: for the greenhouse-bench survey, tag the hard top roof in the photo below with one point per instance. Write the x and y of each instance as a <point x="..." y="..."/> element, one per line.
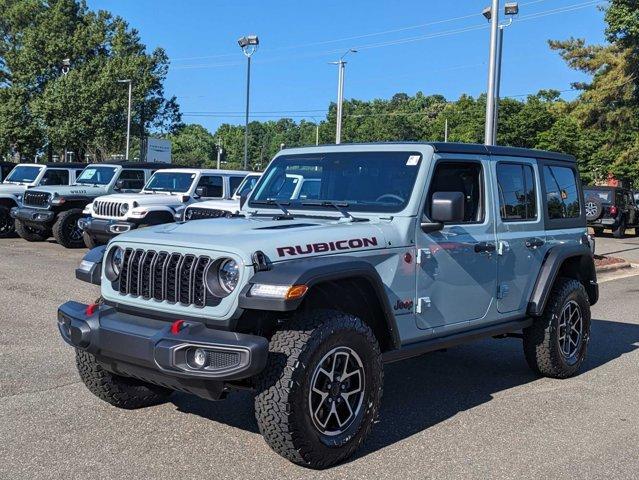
<point x="604" y="187"/>
<point x="461" y="148"/>
<point x="54" y="164"/>
<point x="129" y="164"/>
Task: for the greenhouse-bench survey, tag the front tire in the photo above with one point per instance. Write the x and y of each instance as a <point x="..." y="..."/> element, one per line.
<point x="321" y="389"/>
<point x="31" y="234"/>
<point x="7" y="224"/>
<point x="66" y="231"/>
<point x="555" y="345"/>
<point x="121" y="392"/>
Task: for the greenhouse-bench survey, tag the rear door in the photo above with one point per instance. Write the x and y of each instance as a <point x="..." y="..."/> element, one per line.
<point x="520" y="231"/>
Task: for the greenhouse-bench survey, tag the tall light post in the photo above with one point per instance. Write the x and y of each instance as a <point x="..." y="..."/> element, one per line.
<point x="341" y="64"/>
<point x="128" y="116"/>
<point x="495" y="62"/>
<point x="66" y="66"/>
<point x="249" y="45"/>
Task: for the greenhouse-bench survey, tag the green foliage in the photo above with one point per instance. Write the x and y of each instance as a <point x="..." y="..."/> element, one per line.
<point x="84" y="111"/>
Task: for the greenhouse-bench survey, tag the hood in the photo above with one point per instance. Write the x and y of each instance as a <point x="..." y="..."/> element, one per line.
<point x="11" y="189"/>
<point x="278" y="239"/>
<point x="142" y="199"/>
<point x="72" y="190"/>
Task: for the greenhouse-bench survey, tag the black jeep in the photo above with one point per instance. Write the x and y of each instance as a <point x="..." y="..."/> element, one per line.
<point x="611" y="207"/>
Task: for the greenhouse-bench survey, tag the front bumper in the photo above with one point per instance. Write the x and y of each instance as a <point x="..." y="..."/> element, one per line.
<point x="37" y="217"/>
<point x="104" y="230"/>
<point x="147" y="348"/>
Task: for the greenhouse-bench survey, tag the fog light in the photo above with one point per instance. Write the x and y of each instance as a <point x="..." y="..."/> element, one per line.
<point x="199" y="358"/>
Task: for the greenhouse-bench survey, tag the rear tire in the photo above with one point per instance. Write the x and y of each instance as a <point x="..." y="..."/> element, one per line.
<point x="90" y="242"/>
<point x="321" y="389"/>
<point x="598" y="232"/>
<point x="66" y="231"/>
<point x="31" y="234"/>
<point x="7" y="224"/>
<point x="567" y="310"/>
<point x="121" y="392"/>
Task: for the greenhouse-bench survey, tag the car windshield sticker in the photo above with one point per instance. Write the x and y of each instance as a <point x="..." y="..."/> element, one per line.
<point x="413" y="160"/>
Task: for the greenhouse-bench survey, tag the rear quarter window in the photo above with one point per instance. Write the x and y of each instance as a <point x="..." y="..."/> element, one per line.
<point x="562" y="194"/>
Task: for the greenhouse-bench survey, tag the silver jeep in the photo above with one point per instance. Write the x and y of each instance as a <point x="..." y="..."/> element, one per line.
<point x="405" y="249"/>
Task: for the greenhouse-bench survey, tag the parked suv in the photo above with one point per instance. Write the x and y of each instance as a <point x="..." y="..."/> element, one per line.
<point x="162" y="197"/>
<point x="5" y="169"/>
<point x="28" y="175"/>
<point x="55" y="210"/>
<point x="611" y="207"/>
<point x="228" y="205"/>
<point x="407" y="248"/>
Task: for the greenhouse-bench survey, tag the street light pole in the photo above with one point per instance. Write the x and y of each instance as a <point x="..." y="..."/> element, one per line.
<point x="492" y="74"/>
<point x="495" y="65"/>
<point x="341" y="65"/>
<point x="249" y="45"/>
<point x="128" y="117"/>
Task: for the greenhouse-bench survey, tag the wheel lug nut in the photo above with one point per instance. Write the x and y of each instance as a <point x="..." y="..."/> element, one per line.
<point x="343" y="387"/>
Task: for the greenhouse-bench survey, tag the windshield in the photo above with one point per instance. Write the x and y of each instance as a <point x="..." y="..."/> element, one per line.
<point x="247" y="185"/>
<point x="170" y="182"/>
<point x="361" y="181"/>
<point x="603" y="195"/>
<point x="96" y="176"/>
<point x="23" y="174"/>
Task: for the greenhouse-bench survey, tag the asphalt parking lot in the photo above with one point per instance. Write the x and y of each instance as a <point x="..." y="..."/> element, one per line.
<point x="626" y="248"/>
<point x="475" y="411"/>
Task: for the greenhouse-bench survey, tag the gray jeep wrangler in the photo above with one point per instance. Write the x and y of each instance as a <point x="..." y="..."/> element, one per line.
<point x="406" y="249"/>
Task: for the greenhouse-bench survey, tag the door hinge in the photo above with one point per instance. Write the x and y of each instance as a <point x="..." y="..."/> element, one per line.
<point x="422" y="304"/>
<point x="423" y="254"/>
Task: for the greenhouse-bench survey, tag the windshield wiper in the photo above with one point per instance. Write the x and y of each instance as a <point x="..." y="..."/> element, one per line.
<point x="339" y="206"/>
<point x="281" y="205"/>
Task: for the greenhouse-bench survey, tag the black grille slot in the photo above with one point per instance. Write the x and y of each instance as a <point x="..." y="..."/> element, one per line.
<point x="36" y="199"/>
<point x="198" y="213"/>
<point x="162" y="276"/>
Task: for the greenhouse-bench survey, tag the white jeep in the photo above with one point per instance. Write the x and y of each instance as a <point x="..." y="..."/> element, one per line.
<point x="163" y="197"/>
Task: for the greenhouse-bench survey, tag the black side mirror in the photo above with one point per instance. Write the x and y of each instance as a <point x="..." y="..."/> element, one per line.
<point x="119" y="185"/>
<point x="445" y="207"/>
<point x="200" y="191"/>
<point x="244" y="197"/>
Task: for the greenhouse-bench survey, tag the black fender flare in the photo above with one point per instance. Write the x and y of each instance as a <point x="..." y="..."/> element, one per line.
<point x="313" y="271"/>
<point x="553" y="261"/>
<point x="90" y="269"/>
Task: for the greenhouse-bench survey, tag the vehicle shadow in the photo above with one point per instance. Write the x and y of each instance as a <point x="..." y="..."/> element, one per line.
<point x="427" y="390"/>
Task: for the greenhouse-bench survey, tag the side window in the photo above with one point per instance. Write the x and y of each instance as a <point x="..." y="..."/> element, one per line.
<point x="132" y="179"/>
<point x="517" y="196"/>
<point x="213" y="186"/>
<point x="562" y="196"/>
<point x="78" y="173"/>
<point x="464" y="177"/>
<point x="55" y="177"/>
<point x="234" y="182"/>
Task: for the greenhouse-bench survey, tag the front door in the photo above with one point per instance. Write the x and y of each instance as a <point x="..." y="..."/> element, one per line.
<point x="520" y="231"/>
<point x="457" y="270"/>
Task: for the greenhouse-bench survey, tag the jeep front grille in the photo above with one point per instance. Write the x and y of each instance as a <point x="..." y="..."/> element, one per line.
<point x="36" y="199"/>
<point x="163" y="276"/>
<point x="198" y="213"/>
<point x="107" y="209"/>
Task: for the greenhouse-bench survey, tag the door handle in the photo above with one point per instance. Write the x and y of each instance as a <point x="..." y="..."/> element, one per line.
<point x="534" y="243"/>
<point x="482" y="247"/>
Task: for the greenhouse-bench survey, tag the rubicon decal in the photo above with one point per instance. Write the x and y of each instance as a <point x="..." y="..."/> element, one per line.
<point x="323" y="247"/>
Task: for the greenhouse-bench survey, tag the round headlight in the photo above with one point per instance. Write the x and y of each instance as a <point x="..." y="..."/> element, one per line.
<point x="228" y="275"/>
<point x="123" y="209"/>
<point x="117" y="259"/>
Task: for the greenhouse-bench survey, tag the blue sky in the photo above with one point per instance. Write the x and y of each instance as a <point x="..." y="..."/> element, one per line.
<point x="436" y="46"/>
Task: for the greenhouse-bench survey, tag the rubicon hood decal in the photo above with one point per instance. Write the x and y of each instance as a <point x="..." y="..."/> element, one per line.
<point x="322" y="247"/>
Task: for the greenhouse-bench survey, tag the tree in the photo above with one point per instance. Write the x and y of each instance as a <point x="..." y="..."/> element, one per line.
<point x="85" y="110"/>
<point x="193" y="145"/>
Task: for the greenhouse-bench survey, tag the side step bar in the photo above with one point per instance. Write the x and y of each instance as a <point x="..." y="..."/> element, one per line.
<point x="417" y="349"/>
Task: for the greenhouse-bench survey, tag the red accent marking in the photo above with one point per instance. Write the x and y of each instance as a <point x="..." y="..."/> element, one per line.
<point x="613" y="211"/>
<point x="408" y="257"/>
<point x="91" y="309"/>
<point x="177" y="326"/>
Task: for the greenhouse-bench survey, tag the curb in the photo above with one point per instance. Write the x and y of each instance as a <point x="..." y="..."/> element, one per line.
<point x="613" y="267"/>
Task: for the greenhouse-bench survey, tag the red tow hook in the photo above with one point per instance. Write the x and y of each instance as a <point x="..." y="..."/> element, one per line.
<point x="177" y="326"/>
<point x="91" y="309"/>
